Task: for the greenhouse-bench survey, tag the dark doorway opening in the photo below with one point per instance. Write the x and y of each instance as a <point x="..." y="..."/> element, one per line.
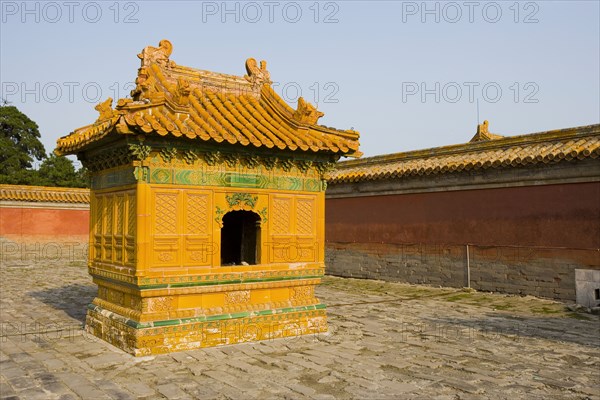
<point x="240" y="238"/>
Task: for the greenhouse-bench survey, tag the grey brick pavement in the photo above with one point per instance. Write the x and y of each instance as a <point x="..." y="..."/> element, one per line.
<point x="386" y="341"/>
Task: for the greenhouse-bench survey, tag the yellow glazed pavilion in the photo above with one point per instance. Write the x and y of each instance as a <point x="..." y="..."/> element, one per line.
<point x="207" y="209"/>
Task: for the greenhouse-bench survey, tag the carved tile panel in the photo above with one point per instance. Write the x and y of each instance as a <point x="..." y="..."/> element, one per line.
<point x="281" y="215"/>
<point x="181" y="234"/>
<point x="196" y="214"/>
<point x="165" y="217"/>
<point x="305" y="216"/>
<point x="113" y="227"/>
<point x="237" y="297"/>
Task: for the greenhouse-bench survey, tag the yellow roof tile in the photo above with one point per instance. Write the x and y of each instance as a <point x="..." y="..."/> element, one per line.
<point x="44" y="194"/>
<point x="171" y="100"/>
<point x="500" y="152"/>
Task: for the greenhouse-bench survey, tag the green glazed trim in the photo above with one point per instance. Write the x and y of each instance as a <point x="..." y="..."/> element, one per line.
<point x="210" y="318"/>
<point x="205" y="283"/>
<point x="226" y="282"/>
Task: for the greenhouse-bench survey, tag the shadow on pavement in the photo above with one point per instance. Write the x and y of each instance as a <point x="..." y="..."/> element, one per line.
<point x="495" y="327"/>
<point x="72" y="299"/>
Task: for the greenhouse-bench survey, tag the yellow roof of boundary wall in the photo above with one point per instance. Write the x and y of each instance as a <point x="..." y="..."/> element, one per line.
<point x="484" y="151"/>
<point x="44" y="194"/>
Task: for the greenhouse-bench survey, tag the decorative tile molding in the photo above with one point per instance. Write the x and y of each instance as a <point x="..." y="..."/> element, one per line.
<point x="237" y="297"/>
<point x="241" y="199"/>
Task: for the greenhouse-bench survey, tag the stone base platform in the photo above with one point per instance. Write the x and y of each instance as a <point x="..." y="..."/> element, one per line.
<point x="158" y="337"/>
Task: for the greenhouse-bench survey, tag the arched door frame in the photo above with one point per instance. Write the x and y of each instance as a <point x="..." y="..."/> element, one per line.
<point x="241" y="201"/>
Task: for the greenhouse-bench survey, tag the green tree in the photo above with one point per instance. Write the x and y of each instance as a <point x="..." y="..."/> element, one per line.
<point x="19" y="145"/>
<point x="59" y="171"/>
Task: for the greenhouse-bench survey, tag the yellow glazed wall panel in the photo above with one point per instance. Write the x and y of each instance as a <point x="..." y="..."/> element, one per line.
<point x="260" y="296"/>
<point x="197" y="207"/>
<point x="280" y="294"/>
<point x="320" y="220"/>
<point x="198" y="247"/>
<point x="190" y="301"/>
<point x="281" y="208"/>
<point x="107" y="225"/>
<point x="307" y="249"/>
<point x="165" y="205"/>
<point x="143" y="234"/>
<point x="305" y="216"/>
<point x="165" y="222"/>
<point x="199" y="270"/>
<point x="130" y="232"/>
<point x="198" y="251"/>
<point x="181" y="232"/>
<point x="165" y="252"/>
<point x="281" y="249"/>
<point x="95" y="228"/>
<point x="111" y="241"/>
<point x="210" y="300"/>
<point x="119" y="221"/>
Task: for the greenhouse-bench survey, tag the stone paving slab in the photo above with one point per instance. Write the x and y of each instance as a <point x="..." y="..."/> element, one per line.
<point x="386" y="341"/>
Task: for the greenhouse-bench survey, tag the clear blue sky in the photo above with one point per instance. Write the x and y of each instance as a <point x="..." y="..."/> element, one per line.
<point x="406" y="75"/>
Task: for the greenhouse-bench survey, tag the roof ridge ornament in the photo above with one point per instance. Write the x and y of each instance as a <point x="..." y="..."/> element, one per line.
<point x="306" y="113"/>
<point x="182" y="92"/>
<point x="146" y="90"/>
<point x="483" y="133"/>
<point x="157" y="55"/>
<point x="483" y="129"/>
<point x="105" y="109"/>
<point x="257" y="75"/>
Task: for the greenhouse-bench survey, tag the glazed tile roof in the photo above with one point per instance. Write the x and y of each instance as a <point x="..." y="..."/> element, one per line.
<point x="497" y="152"/>
<point x="44" y="194"/>
<point x="172" y="100"/>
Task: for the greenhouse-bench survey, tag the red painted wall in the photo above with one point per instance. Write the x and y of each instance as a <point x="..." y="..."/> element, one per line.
<point x="43" y="222"/>
<point x="565" y="215"/>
